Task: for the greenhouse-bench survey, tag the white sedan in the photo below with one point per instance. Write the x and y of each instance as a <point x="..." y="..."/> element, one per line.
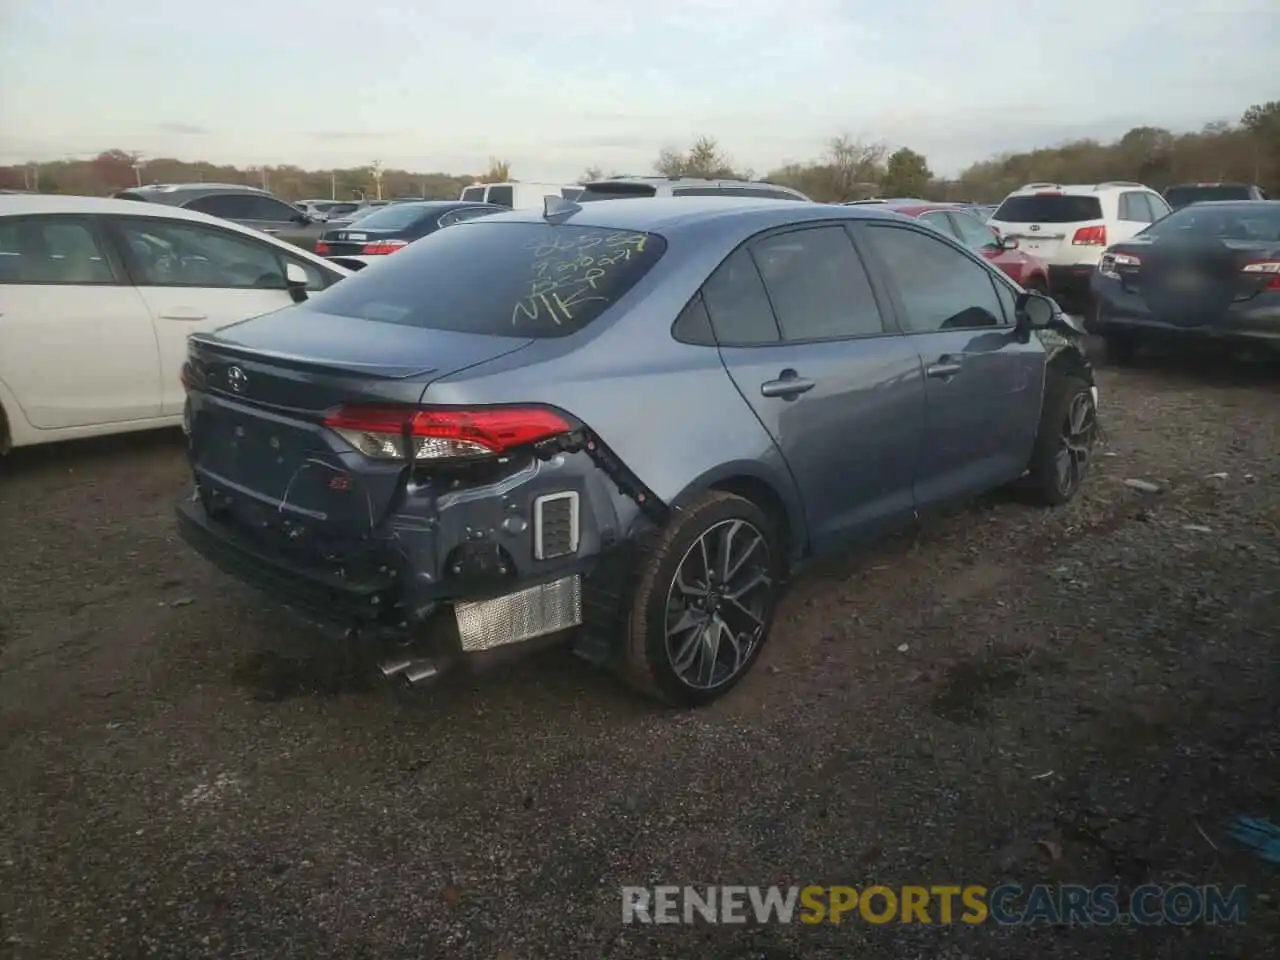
<point x="97" y="298"/>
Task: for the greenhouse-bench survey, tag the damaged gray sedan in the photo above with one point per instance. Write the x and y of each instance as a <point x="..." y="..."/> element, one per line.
<point x="622" y="425"/>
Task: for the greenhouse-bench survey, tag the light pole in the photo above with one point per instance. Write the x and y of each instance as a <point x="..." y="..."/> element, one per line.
<point x="376" y="166"/>
<point x="138" y="167"/>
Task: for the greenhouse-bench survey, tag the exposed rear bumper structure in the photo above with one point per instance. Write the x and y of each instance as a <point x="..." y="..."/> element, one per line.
<point x="436" y="628"/>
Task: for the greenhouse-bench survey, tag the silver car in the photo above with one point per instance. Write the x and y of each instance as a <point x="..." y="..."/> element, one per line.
<point x="622" y="423"/>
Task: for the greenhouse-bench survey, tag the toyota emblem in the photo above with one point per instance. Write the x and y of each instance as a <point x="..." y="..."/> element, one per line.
<point x="237" y="379"/>
<point x="1035" y="227"/>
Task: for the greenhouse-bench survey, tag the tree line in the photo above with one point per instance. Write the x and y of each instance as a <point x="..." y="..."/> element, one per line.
<point x="849" y="169"/>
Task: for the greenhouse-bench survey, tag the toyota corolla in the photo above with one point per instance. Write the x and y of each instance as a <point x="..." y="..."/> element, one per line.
<point x="622" y="424"/>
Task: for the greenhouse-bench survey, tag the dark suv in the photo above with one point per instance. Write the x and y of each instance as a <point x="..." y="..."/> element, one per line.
<point x="247" y="206"/>
<point x="1185" y="193"/>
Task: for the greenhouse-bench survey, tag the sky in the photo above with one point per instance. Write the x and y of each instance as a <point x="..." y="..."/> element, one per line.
<point x="555" y="86"/>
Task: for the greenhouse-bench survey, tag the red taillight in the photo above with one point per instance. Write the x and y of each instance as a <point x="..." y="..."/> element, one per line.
<point x="379" y="247"/>
<point x="1264" y="269"/>
<point x="1090" y="237"/>
<point x="322" y="248"/>
<point x="444" y="432"/>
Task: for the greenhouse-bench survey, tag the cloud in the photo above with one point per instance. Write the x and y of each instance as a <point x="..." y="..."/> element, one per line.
<point x="346" y="135"/>
<point x="184" y="129"/>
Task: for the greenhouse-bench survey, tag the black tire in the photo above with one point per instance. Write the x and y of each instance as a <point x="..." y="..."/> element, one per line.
<point x="1044" y="483"/>
<point x="646" y="662"/>
<point x="1122" y="349"/>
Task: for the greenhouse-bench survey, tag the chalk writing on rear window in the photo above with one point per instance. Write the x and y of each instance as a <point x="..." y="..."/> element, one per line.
<point x="570" y="271"/>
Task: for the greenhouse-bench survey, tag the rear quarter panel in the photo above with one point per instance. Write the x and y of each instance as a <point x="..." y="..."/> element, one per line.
<point x="667" y="409"/>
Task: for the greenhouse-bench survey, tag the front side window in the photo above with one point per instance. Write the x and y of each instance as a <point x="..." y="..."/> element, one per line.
<point x="817" y="285"/>
<point x="939" y="287"/>
<point x="474" y="194"/>
<point x="501" y="279"/>
<point x="63" y="250"/>
<point x="165" y="253"/>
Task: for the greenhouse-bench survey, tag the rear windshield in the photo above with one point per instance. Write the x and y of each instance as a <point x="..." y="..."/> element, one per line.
<point x="500" y="279"/>
<point x="1181" y="196"/>
<point x="395" y="216"/>
<point x="1048" y="208"/>
<point x="1258" y="221"/>
<point x="616" y="191"/>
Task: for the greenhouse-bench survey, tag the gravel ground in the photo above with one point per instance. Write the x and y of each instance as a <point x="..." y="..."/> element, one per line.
<point x="1082" y="695"/>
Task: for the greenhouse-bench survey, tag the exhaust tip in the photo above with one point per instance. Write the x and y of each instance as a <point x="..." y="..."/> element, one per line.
<point x="392" y="667"/>
<point x="413" y="671"/>
<point x="421" y="672"/>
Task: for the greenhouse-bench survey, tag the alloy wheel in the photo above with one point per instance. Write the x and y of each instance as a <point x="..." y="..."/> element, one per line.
<point x="1076" y="443"/>
<point x="718" y="603"/>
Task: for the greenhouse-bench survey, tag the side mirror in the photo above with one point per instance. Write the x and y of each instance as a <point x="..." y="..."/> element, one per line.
<point x="296" y="281"/>
<point x="1036" y="311"/>
<point x="1005" y="243"/>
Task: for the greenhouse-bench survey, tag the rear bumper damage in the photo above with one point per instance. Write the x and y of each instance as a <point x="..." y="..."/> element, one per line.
<point x="457" y="571"/>
<point x="1244" y="325"/>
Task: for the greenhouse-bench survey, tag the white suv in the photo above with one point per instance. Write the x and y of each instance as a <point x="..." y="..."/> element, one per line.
<point x="1069" y="225"/>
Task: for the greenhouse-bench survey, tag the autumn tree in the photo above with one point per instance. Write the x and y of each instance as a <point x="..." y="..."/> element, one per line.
<point x="848" y="169"/>
<point x="499" y="171"/>
<point x="906" y="174"/>
<point x="703" y="159"/>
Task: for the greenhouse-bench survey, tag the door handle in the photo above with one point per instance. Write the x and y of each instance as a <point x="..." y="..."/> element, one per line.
<point x="943" y="368"/>
<point x="789" y="385"/>
<point x="184" y="313"/>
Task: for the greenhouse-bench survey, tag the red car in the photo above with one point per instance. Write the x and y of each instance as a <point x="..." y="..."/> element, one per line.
<point x="962" y="226"/>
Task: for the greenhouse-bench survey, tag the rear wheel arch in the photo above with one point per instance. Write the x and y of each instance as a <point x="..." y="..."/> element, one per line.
<point x="767" y="492"/>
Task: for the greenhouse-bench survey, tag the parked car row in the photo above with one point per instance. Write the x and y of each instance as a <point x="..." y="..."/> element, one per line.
<point x="444" y="451"/>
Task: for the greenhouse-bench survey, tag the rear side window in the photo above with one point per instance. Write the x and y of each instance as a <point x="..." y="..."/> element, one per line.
<point x="740" y="311"/>
<point x="52" y="250"/>
<point x="1133" y="207"/>
<point x="475" y="194"/>
<point x="502" y="195"/>
<point x="1049" y="208"/>
<point x="817" y="285"/>
<point x="500" y="279"/>
<point x="616" y="191"/>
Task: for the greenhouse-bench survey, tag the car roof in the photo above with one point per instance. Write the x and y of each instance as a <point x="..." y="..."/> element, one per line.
<point x="913" y="209"/>
<point x="1078" y="189"/>
<point x="667" y="215"/>
<point x="17" y="205"/>
<point x="702" y="181"/>
<point x="1235" y="204"/>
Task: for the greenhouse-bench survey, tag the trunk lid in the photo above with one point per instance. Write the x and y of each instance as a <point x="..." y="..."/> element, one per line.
<point x="262" y="388"/>
<point x="350" y="240"/>
<point x="1192" y="281"/>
